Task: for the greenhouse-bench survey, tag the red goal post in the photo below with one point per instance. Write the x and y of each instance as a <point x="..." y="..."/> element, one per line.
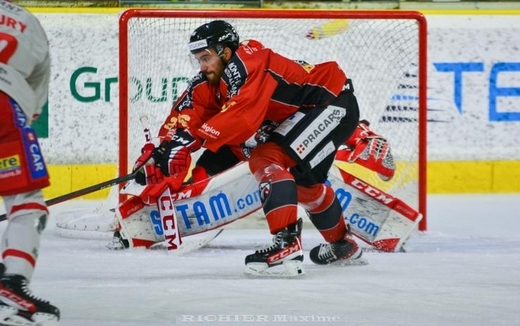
<point x="383" y="52"/>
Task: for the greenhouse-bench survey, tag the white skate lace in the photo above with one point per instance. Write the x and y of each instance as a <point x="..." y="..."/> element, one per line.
<point x="27" y="292"/>
<point x="325" y="252"/>
<point x="277" y="239"/>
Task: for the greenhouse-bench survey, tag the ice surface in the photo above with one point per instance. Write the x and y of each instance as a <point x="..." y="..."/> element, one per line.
<point x="463" y="271"/>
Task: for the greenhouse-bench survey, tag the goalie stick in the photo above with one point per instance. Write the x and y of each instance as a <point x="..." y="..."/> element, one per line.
<point x="143" y="159"/>
<point x="199" y="240"/>
<point x="84" y="191"/>
<point x="165" y="204"/>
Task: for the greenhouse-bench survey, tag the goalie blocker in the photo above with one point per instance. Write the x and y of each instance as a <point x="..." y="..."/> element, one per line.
<point x="377" y="218"/>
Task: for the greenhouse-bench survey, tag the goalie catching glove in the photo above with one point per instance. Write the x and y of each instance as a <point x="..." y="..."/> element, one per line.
<point x="370" y="150"/>
<point x="171" y="158"/>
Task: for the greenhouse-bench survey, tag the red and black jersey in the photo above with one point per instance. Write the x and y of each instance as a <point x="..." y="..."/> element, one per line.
<point x="258" y="84"/>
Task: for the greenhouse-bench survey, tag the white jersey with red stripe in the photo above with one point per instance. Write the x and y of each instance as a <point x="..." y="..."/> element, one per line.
<point x="24" y="58"/>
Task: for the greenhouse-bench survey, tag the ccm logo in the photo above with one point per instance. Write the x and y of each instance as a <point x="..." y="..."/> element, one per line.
<point x="181" y="195"/>
<point x="372" y="192"/>
<point x="16" y="299"/>
<point x="170" y="232"/>
<point x="169" y="222"/>
<point x="295" y="247"/>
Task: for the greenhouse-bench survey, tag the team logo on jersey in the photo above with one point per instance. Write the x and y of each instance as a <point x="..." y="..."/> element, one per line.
<point x="265" y="190"/>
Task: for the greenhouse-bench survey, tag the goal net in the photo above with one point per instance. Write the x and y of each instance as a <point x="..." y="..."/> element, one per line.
<point x="383" y="52"/>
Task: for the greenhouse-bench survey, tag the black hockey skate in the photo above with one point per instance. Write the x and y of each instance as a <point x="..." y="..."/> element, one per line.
<point x="19" y="307"/>
<point x="345" y="251"/>
<point x="118" y="243"/>
<point x="286" y="251"/>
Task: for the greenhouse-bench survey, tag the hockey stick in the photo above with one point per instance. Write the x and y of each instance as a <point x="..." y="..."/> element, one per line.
<point x="84" y="191"/>
<point x="141" y="161"/>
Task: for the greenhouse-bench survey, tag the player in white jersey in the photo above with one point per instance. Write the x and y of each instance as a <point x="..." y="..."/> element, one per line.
<point x="24" y="83"/>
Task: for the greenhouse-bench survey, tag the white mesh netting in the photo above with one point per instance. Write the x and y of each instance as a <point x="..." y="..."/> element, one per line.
<point x="380" y="55"/>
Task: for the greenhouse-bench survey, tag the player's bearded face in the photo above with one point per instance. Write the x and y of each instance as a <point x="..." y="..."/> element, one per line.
<point x="210" y="64"/>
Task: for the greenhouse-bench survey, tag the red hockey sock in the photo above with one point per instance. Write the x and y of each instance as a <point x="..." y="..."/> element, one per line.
<point x="278" y="193"/>
<point x="324" y="210"/>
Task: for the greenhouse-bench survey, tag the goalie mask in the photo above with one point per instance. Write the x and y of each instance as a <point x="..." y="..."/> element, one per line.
<point x="216" y="34"/>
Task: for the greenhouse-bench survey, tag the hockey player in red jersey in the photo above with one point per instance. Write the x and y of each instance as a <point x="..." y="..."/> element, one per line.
<point x="24" y="82"/>
<point x="308" y="111"/>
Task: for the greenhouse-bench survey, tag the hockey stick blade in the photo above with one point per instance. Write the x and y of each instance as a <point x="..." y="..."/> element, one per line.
<point x="202" y="240"/>
<point x="84" y="191"/>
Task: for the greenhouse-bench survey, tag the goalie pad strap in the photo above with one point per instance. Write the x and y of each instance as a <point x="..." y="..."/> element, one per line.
<point x="135" y="223"/>
<point x="130" y="206"/>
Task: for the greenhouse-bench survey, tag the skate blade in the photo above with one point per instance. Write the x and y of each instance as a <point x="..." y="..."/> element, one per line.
<point x="9" y="317"/>
<point x="43" y="319"/>
<point x="288" y="269"/>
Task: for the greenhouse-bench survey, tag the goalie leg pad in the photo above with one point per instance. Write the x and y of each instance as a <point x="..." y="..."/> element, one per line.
<point x="381" y="220"/>
<point x="135" y="223"/>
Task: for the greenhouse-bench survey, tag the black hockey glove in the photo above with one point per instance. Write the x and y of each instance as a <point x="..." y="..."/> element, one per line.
<point x="174" y="156"/>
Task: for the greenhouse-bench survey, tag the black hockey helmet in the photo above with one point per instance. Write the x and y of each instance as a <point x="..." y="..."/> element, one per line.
<point x="216" y="34"/>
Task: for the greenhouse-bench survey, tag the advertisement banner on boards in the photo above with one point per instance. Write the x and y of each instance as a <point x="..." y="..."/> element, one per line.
<point x="473" y="87"/>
